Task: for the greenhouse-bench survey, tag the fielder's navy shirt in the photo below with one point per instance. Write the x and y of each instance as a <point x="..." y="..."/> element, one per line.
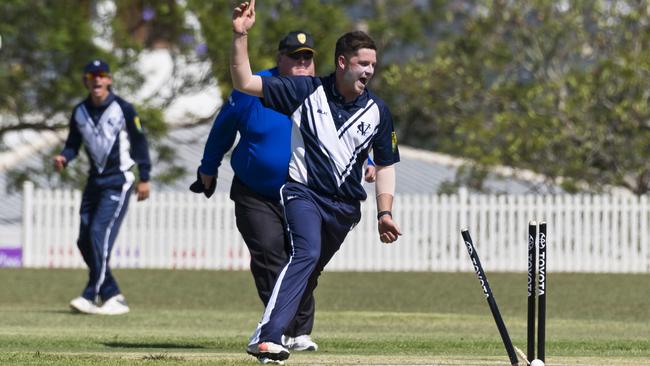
<point x="112" y="136"/>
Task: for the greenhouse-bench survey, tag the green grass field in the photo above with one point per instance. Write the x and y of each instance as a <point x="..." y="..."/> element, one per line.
<point x="205" y="318"/>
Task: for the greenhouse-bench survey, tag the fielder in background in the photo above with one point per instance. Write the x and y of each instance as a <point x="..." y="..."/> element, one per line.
<point x="110" y="130"/>
<point x="336" y="121"/>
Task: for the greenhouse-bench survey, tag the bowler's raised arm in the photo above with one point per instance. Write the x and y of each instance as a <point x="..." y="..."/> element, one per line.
<point x="243" y="18"/>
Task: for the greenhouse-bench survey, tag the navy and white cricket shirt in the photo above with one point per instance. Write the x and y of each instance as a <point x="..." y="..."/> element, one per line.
<point x="112" y="136"/>
<point x="330" y="139"/>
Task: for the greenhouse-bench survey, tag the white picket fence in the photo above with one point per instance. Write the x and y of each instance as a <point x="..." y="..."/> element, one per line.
<point x="586" y="233"/>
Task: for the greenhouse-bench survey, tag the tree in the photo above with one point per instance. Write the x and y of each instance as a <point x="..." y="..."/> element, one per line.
<point x="274" y="18"/>
<point x="43" y="53"/>
<point x="39" y="62"/>
<point x="556" y="87"/>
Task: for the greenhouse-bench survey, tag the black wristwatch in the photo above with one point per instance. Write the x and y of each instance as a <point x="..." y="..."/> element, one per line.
<point x="382" y="213"/>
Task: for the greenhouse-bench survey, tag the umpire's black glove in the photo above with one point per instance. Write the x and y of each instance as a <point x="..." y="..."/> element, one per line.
<point x="198" y="187"/>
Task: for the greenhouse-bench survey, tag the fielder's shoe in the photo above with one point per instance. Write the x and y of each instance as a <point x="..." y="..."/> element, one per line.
<point x="116" y="305"/>
<point x="83" y="305"/>
<point x="300" y="343"/>
<point x="268" y="350"/>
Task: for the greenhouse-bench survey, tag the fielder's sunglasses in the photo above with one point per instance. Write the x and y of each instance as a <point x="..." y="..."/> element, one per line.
<point x="92" y="75"/>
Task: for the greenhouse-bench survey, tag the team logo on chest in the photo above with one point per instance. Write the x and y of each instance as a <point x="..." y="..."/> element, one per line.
<point x="334" y="138"/>
<point x="363" y="128"/>
<point x="100" y="137"/>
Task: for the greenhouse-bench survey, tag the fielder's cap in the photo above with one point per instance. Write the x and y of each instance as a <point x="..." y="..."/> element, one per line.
<point x="296" y="41"/>
<point x="96" y="66"/>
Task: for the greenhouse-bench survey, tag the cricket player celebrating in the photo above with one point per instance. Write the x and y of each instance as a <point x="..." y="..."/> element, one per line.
<point x="336" y="121"/>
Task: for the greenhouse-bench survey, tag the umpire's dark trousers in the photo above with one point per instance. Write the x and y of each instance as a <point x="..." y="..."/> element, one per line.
<point x="260" y="221"/>
<point x="103" y="206"/>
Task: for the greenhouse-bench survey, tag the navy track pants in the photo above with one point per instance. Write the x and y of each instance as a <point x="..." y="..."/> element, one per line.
<point x="260" y="221"/>
<point x="104" y="203"/>
<point x="317" y="226"/>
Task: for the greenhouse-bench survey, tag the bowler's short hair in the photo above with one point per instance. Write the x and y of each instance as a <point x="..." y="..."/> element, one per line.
<point x="351" y="42"/>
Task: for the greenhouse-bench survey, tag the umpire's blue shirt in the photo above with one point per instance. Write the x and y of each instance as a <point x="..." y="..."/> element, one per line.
<point x="261" y="158"/>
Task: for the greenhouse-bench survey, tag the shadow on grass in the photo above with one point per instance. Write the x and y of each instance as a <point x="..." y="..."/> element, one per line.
<point x="59" y="311"/>
<point x="151" y="345"/>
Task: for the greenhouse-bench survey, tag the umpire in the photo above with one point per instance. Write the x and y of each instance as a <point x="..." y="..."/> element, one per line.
<point x="110" y="130"/>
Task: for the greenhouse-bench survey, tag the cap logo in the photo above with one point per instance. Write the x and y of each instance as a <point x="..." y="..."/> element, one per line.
<point x="302" y="38"/>
<point x="96" y="63"/>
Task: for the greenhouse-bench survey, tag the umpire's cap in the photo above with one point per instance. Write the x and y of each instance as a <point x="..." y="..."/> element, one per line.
<point x="296" y="41"/>
<point x="96" y="66"/>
